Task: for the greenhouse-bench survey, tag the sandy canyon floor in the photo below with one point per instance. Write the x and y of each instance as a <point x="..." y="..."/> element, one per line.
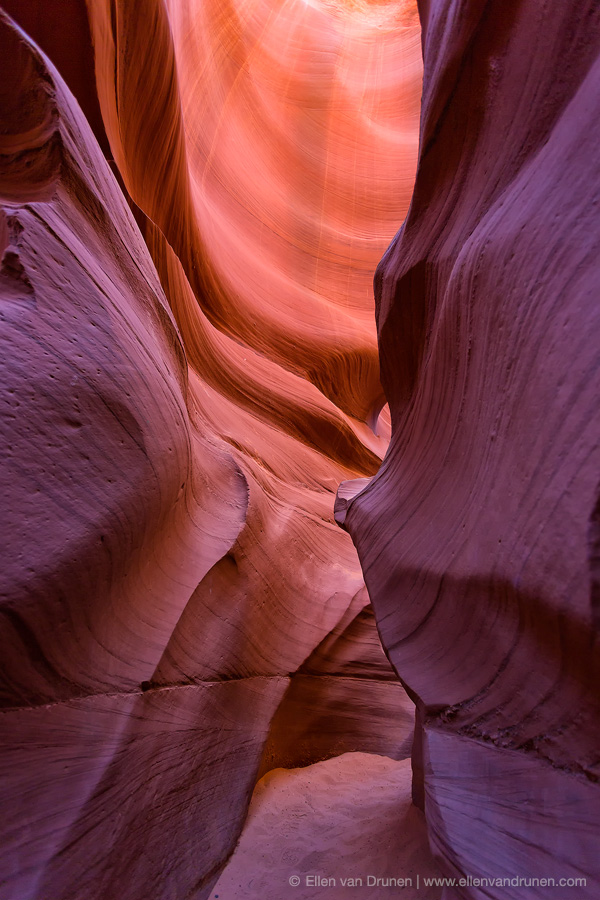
<point x="346" y="819"/>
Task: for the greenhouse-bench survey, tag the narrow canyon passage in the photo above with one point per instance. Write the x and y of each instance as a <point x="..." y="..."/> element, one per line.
<point x="300" y="450"/>
<point x="198" y="617"/>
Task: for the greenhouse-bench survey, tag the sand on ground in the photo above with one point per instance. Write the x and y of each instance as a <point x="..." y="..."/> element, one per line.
<point x="310" y="831"/>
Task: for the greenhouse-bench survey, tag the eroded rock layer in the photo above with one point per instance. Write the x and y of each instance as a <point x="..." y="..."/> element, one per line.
<point x="173" y="587"/>
<point x="478" y="536"/>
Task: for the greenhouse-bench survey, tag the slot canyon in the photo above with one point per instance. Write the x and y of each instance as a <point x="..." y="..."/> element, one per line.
<point x="300" y="583"/>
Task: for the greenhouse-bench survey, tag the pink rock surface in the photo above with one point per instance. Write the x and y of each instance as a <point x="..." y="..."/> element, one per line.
<point x="275" y="149"/>
<point x="171" y="569"/>
<point x="478" y="536"/>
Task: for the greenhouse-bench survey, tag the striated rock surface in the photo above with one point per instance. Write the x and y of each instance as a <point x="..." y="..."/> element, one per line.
<point x="479" y="535"/>
<point x="180" y="402"/>
<point x="275" y="149"/>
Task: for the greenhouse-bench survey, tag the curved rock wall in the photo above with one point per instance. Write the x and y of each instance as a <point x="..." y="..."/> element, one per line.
<point x="478" y="536"/>
<point x="174" y="589"/>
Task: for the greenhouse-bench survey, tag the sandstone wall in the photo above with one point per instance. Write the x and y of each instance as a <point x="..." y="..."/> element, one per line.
<point x="175" y="592"/>
<point x="479" y="535"/>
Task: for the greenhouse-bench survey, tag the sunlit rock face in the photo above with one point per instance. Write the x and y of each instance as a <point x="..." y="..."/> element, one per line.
<point x="275" y="150"/>
<point x="479" y="535"/>
<point x="188" y="372"/>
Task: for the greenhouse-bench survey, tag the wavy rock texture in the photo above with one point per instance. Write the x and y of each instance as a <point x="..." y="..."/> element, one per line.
<point x="178" y="412"/>
<point x="479" y="535"/>
<point x="279" y="250"/>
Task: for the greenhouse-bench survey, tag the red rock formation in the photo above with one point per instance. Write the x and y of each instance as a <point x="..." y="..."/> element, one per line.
<point x="71" y="52"/>
<point x="477" y="537"/>
<point x="279" y="176"/>
<point x="179" y="412"/>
